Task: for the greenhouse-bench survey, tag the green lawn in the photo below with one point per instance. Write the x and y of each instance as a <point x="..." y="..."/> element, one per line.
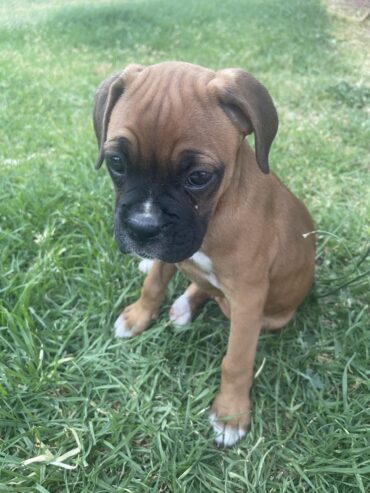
<point x="83" y="412"/>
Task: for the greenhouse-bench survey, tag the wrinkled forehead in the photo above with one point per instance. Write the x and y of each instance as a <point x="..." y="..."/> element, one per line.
<point x="163" y="112"/>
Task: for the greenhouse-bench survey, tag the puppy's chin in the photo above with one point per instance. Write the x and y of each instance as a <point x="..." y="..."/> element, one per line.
<point x="174" y="257"/>
<point x="169" y="253"/>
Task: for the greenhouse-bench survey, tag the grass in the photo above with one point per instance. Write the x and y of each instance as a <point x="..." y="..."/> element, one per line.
<point x="83" y="412"/>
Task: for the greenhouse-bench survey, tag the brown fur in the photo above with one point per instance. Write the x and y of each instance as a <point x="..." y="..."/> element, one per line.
<point x="256" y="238"/>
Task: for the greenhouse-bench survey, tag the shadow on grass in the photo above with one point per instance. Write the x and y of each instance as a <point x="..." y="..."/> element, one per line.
<point x="272" y="32"/>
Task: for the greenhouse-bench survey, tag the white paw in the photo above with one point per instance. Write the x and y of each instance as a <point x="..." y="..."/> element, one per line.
<point x="145" y="265"/>
<point x="180" y="312"/>
<point x="226" y="435"/>
<point x="121" y="329"/>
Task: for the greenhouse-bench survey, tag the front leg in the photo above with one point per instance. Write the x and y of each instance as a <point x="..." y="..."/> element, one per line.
<point x="137" y="317"/>
<point x="230" y="412"/>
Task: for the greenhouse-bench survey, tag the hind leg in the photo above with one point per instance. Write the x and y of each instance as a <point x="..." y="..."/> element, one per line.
<point x="278" y="321"/>
<point x="184" y="308"/>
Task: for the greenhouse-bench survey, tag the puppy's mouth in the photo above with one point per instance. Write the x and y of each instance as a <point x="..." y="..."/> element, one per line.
<point x="157" y="252"/>
<point x="171" y="232"/>
<point x="170" y="245"/>
<point x="163" y="248"/>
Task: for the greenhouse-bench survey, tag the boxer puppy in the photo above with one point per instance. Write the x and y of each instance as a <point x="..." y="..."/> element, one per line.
<point x="192" y="195"/>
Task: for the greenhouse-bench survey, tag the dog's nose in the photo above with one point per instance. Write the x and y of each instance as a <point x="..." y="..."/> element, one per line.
<point x="143" y="226"/>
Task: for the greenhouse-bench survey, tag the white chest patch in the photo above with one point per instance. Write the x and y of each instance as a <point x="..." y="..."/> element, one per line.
<point x="145" y="265"/>
<point x="204" y="263"/>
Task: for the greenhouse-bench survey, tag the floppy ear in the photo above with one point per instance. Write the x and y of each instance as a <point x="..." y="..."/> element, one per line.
<point x="105" y="98"/>
<point x="249" y="106"/>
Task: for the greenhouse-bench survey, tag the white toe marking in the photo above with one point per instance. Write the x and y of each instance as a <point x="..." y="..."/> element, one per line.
<point x="180" y="312"/>
<point x="145" y="265"/>
<point x="121" y="329"/>
<point x="226" y="435"/>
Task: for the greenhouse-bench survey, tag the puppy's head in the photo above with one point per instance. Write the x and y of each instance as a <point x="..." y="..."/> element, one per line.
<point x="170" y="134"/>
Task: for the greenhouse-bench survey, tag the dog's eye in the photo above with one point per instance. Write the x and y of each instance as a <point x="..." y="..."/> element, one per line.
<point x="116" y="165"/>
<point x="198" y="179"/>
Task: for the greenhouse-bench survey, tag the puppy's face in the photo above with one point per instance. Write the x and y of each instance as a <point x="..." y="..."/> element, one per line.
<point x="162" y="211"/>
<point x="170" y="147"/>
